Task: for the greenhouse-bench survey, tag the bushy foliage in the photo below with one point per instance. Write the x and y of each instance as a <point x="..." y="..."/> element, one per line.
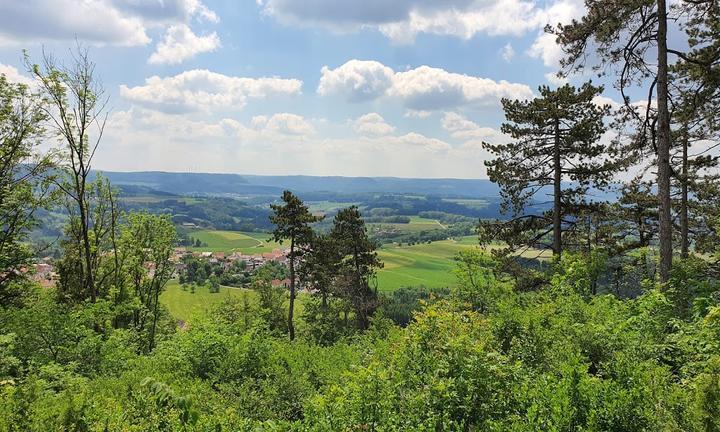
<point x="558" y="359"/>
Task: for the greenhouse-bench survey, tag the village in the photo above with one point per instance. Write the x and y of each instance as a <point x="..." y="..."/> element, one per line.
<point x="236" y="267"/>
<point x="45" y="273"/>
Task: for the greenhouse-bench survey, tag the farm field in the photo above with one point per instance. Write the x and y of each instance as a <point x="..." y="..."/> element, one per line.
<point x="428" y="264"/>
<point x="416" y="224"/>
<point x="232" y="241"/>
<point x="183" y="304"/>
<point x="472" y="203"/>
<point x="327" y="206"/>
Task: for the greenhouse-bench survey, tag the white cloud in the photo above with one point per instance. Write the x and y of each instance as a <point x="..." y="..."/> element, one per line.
<point x="427" y="88"/>
<point x="164" y="11"/>
<point x="420" y="89"/>
<point x="14" y="76"/>
<point x="495" y="17"/>
<point x="554" y="79"/>
<point x="181" y="43"/>
<point x="417" y="114"/>
<point x="202" y="90"/>
<point x="109" y="22"/>
<point x="403" y="20"/>
<point x="545" y="46"/>
<point x="284" y="123"/>
<point x="51" y="20"/>
<point x="182" y="143"/>
<point x="470" y="132"/>
<point x="356" y="80"/>
<point x="352" y="12"/>
<point x="431" y="144"/>
<point x="507" y="52"/>
<point x="372" y="124"/>
<point x="604" y="100"/>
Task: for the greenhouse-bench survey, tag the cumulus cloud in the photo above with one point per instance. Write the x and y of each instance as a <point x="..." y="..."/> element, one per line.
<point x="507" y="52"/>
<point x="166" y="10"/>
<point x="284" y="123"/>
<point x="372" y="124"/>
<point x="181" y="43"/>
<point x="417" y="114"/>
<point x="51" y="20"/>
<point x="493" y="17"/>
<point x="556" y="80"/>
<point x="604" y="100"/>
<point x="420" y="89"/>
<point x="14" y="76"/>
<point x="403" y="20"/>
<point x="352" y="12"/>
<point x="202" y="90"/>
<point x="546" y="49"/>
<point x="470" y="132"/>
<point x="545" y="46"/>
<point x="110" y="22"/>
<point x="171" y="142"/>
<point x="431" y="144"/>
<point x="356" y="80"/>
<point x="427" y="88"/>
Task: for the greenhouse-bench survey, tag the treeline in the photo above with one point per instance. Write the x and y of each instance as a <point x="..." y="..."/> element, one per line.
<point x="562" y="135"/>
<point x="413" y="205"/>
<point x="219" y="213"/>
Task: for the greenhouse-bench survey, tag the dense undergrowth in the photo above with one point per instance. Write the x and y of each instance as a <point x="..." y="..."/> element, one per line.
<point x="555" y="359"/>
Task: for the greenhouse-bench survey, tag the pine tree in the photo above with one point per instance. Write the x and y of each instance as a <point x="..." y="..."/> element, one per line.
<point x="555" y="141"/>
<point x="358" y="265"/>
<point x="623" y="33"/>
<point x="292" y="222"/>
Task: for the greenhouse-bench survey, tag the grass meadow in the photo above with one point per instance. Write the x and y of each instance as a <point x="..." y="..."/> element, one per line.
<point x="183" y="304"/>
<point x="232" y="241"/>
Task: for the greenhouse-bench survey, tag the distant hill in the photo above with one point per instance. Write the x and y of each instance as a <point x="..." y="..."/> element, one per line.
<point x="235" y="184"/>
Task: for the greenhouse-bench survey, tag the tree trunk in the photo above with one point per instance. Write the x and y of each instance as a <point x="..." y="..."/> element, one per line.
<point x="557" y="216"/>
<point x="291" y="308"/>
<point x="151" y="343"/>
<point x="85" y="232"/>
<point x="663" y="147"/>
<point x="684" y="231"/>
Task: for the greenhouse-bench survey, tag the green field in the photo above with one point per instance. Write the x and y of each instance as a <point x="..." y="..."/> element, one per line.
<point x="327" y="206"/>
<point x="478" y="204"/>
<point x="232" y="241"/>
<point x="182" y="304"/>
<point x="416" y="224"/>
<point x="428" y="264"/>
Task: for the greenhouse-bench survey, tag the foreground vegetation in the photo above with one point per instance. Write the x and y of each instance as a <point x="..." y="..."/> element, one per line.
<point x="554" y="360"/>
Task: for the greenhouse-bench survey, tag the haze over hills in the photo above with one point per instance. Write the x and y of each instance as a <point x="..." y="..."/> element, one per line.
<point x="237" y="184"/>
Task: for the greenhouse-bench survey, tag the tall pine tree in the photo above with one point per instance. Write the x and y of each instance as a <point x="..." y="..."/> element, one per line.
<point x="292" y="222"/>
<point x="556" y="151"/>
<point x="358" y="265"/>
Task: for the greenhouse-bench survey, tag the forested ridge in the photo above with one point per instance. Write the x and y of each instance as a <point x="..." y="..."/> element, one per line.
<point x="618" y="329"/>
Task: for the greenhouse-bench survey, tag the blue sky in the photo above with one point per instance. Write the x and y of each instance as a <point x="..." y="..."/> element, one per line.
<point x="406" y="88"/>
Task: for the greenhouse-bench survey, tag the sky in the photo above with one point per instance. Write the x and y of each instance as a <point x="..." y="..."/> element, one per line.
<point x="404" y="88"/>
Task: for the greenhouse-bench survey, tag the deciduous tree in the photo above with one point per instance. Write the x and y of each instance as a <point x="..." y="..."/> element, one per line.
<point x="23" y="185"/>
